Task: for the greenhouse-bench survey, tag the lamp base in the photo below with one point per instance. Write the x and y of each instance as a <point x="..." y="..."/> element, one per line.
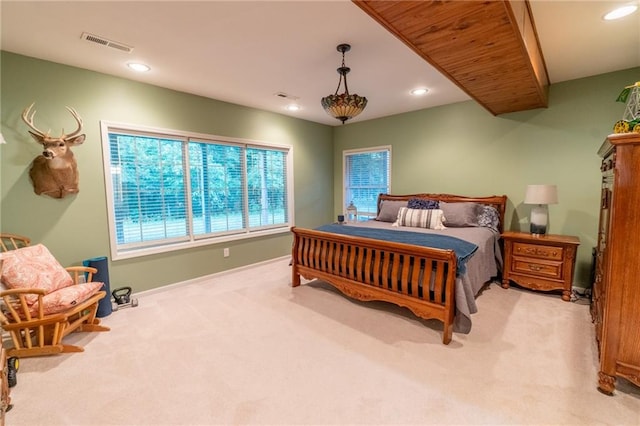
<point x="538" y="229"/>
<point x="539" y="219"/>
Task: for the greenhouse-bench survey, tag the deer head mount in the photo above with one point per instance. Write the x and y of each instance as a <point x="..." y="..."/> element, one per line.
<point x="55" y="171"/>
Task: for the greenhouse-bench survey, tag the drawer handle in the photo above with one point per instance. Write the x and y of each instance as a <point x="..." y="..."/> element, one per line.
<point x="535" y="268"/>
<point x="540" y="252"/>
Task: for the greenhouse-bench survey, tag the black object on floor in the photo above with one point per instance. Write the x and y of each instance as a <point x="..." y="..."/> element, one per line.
<point x="13" y="363"/>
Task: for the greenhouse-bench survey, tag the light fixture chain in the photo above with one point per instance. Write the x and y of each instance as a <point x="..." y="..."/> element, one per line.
<point x="344" y="72"/>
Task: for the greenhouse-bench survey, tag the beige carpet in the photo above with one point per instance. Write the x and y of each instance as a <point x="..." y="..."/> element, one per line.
<point x="245" y="348"/>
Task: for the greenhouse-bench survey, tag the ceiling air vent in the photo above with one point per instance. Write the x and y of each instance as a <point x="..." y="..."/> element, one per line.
<point x="287" y="96"/>
<point x="106" y="42"/>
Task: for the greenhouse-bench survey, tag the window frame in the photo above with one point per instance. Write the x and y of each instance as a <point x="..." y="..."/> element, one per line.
<point x="191" y="240"/>
<point x="345" y="186"/>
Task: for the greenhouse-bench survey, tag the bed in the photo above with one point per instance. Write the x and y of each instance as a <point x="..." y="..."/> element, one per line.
<point x="405" y="257"/>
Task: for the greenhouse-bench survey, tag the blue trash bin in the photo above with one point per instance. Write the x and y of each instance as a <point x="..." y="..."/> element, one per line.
<point x="102" y="265"/>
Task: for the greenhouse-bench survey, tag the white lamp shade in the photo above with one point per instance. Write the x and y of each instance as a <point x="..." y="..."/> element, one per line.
<point x="541" y="194"/>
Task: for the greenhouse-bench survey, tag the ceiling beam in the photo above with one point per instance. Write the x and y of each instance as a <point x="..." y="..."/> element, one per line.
<point x="489" y="49"/>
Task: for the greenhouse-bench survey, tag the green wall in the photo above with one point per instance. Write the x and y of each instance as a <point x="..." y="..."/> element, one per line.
<point x="463" y="149"/>
<point x="75" y="228"/>
<point x="458" y="148"/>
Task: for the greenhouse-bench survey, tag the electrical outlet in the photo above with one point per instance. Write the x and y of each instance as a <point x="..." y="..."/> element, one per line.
<point x="225" y="252"/>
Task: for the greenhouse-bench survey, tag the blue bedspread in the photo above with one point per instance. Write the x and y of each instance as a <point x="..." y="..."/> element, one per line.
<point x="463" y="249"/>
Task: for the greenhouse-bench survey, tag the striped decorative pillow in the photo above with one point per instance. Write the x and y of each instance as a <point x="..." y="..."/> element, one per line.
<point x="420" y="218"/>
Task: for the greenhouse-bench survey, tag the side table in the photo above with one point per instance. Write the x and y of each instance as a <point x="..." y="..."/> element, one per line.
<point x="540" y="262"/>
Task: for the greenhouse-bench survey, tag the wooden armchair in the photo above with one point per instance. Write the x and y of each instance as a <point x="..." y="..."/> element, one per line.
<point x="37" y="319"/>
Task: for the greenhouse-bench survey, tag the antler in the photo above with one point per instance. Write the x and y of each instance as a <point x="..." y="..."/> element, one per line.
<point x="78" y="120"/>
<point x="27" y="117"/>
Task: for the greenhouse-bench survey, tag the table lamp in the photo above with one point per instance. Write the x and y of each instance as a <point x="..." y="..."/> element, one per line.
<point x="540" y="196"/>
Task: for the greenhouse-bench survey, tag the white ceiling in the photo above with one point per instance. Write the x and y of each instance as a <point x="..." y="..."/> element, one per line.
<point x="245" y="52"/>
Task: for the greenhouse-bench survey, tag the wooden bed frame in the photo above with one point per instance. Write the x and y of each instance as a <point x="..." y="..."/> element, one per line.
<point x="355" y="265"/>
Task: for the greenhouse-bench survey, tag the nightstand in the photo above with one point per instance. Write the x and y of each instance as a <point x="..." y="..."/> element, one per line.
<point x="540" y="262"/>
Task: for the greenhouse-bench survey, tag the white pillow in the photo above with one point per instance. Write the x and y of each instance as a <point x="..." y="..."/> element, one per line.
<point x="420" y="218"/>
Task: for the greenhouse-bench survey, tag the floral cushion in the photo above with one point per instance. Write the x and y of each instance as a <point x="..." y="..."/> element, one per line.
<point x="66" y="298"/>
<point x="33" y="267"/>
<point x="489" y="218"/>
<point x="423" y="203"/>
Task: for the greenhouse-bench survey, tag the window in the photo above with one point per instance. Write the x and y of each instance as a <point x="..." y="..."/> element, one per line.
<point x="168" y="190"/>
<point x="367" y="173"/>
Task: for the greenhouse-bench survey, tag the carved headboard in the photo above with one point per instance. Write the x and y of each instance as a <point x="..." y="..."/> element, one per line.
<point x="497" y="201"/>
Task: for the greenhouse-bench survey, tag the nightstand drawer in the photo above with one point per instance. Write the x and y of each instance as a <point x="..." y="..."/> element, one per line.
<point x="539" y="251"/>
<point x="526" y="266"/>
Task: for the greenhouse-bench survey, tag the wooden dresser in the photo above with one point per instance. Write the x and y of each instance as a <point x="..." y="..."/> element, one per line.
<point x="616" y="289"/>
<point x="5" y="399"/>
<point x="544" y="262"/>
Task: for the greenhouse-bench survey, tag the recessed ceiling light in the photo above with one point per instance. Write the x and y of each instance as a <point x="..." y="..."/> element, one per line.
<point x="419" y="92"/>
<point x="620" y="12"/>
<point x="136" y="66"/>
<point x="293" y="107"/>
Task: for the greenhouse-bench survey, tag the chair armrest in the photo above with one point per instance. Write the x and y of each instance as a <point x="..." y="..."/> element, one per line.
<point x="14" y="291"/>
<point x="34" y="322"/>
<point x="77" y="271"/>
<point x="85" y="304"/>
<point x="15" y="306"/>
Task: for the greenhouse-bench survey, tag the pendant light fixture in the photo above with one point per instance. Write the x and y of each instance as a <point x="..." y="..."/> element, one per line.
<point x="343" y="106"/>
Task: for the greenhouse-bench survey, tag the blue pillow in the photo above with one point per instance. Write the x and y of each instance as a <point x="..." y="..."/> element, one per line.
<point x="422" y="204"/>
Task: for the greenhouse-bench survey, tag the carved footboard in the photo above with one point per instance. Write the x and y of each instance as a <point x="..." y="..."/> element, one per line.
<point x="419" y="278"/>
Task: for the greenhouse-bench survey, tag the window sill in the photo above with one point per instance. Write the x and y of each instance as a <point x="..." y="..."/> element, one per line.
<point x="148" y="251"/>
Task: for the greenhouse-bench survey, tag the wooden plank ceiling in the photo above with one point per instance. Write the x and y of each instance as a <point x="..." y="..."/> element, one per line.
<point x="489" y="49"/>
